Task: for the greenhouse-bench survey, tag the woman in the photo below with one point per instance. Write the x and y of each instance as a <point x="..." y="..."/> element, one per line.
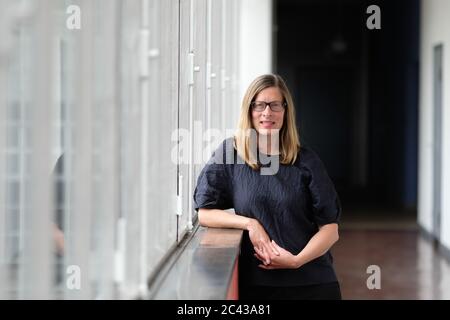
<point x="290" y="215"/>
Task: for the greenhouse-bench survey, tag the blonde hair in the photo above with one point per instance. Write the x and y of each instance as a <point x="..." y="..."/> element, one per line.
<point x="289" y="138"/>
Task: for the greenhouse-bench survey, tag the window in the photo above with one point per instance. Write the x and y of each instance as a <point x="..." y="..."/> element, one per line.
<point x="104" y="136"/>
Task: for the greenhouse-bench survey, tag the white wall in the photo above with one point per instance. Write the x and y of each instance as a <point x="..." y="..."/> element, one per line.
<point x="255" y="41"/>
<point x="435" y="28"/>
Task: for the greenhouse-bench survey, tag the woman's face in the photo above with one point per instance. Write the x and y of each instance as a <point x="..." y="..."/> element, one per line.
<point x="267" y="120"/>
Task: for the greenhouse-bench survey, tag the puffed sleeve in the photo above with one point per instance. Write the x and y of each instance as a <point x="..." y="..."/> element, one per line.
<point x="212" y="190"/>
<point x="325" y="200"/>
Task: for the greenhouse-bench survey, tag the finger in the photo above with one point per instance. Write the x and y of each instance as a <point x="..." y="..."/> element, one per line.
<point x="258" y="251"/>
<point x="266" y="255"/>
<point x="267" y="249"/>
<point x="259" y="257"/>
<point x="262" y="253"/>
<point x="275" y="248"/>
<point x="275" y="245"/>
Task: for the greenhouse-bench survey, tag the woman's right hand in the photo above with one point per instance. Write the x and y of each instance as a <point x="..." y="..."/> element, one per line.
<point x="260" y="240"/>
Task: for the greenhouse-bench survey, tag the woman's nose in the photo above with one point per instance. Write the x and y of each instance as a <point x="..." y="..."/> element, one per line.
<point x="267" y="110"/>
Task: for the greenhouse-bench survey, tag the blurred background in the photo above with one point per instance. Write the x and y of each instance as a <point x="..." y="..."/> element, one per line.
<point x="109" y="110"/>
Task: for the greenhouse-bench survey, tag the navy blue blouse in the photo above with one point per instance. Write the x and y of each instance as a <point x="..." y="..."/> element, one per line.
<point x="289" y="204"/>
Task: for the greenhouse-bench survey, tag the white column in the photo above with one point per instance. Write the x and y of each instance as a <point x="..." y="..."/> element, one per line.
<point x="255" y="40"/>
<point x="106" y="150"/>
<point x="80" y="219"/>
<point x="36" y="267"/>
<point x="3" y="267"/>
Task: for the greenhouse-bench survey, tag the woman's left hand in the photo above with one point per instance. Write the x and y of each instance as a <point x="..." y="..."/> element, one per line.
<point x="285" y="260"/>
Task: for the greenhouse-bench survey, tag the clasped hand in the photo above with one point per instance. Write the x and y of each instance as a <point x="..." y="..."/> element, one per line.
<point x="269" y="252"/>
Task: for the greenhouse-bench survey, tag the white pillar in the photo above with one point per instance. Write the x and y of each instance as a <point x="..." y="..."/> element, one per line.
<point x="255" y="40"/>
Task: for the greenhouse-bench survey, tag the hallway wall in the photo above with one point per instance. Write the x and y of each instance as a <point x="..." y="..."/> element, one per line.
<point x="434" y="30"/>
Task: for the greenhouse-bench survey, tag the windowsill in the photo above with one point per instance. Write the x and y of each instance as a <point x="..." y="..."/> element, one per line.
<point x="206" y="269"/>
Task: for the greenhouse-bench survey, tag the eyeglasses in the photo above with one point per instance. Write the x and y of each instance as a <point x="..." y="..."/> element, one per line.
<point x="275" y="106"/>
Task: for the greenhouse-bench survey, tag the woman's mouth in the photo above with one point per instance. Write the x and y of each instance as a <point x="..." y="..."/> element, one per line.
<point x="267" y="124"/>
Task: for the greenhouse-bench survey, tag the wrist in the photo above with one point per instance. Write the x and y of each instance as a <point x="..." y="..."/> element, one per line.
<point x="249" y="223"/>
<point x="299" y="261"/>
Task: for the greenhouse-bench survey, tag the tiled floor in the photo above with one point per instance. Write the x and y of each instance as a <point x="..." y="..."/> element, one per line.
<point x="410" y="268"/>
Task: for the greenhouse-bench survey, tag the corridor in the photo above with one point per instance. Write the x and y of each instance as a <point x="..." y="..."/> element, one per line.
<point x="411" y="268"/>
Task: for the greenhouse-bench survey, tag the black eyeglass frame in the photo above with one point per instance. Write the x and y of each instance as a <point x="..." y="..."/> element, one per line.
<point x="253" y="105"/>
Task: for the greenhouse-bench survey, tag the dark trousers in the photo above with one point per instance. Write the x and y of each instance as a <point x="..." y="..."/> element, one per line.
<point x="325" y="291"/>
